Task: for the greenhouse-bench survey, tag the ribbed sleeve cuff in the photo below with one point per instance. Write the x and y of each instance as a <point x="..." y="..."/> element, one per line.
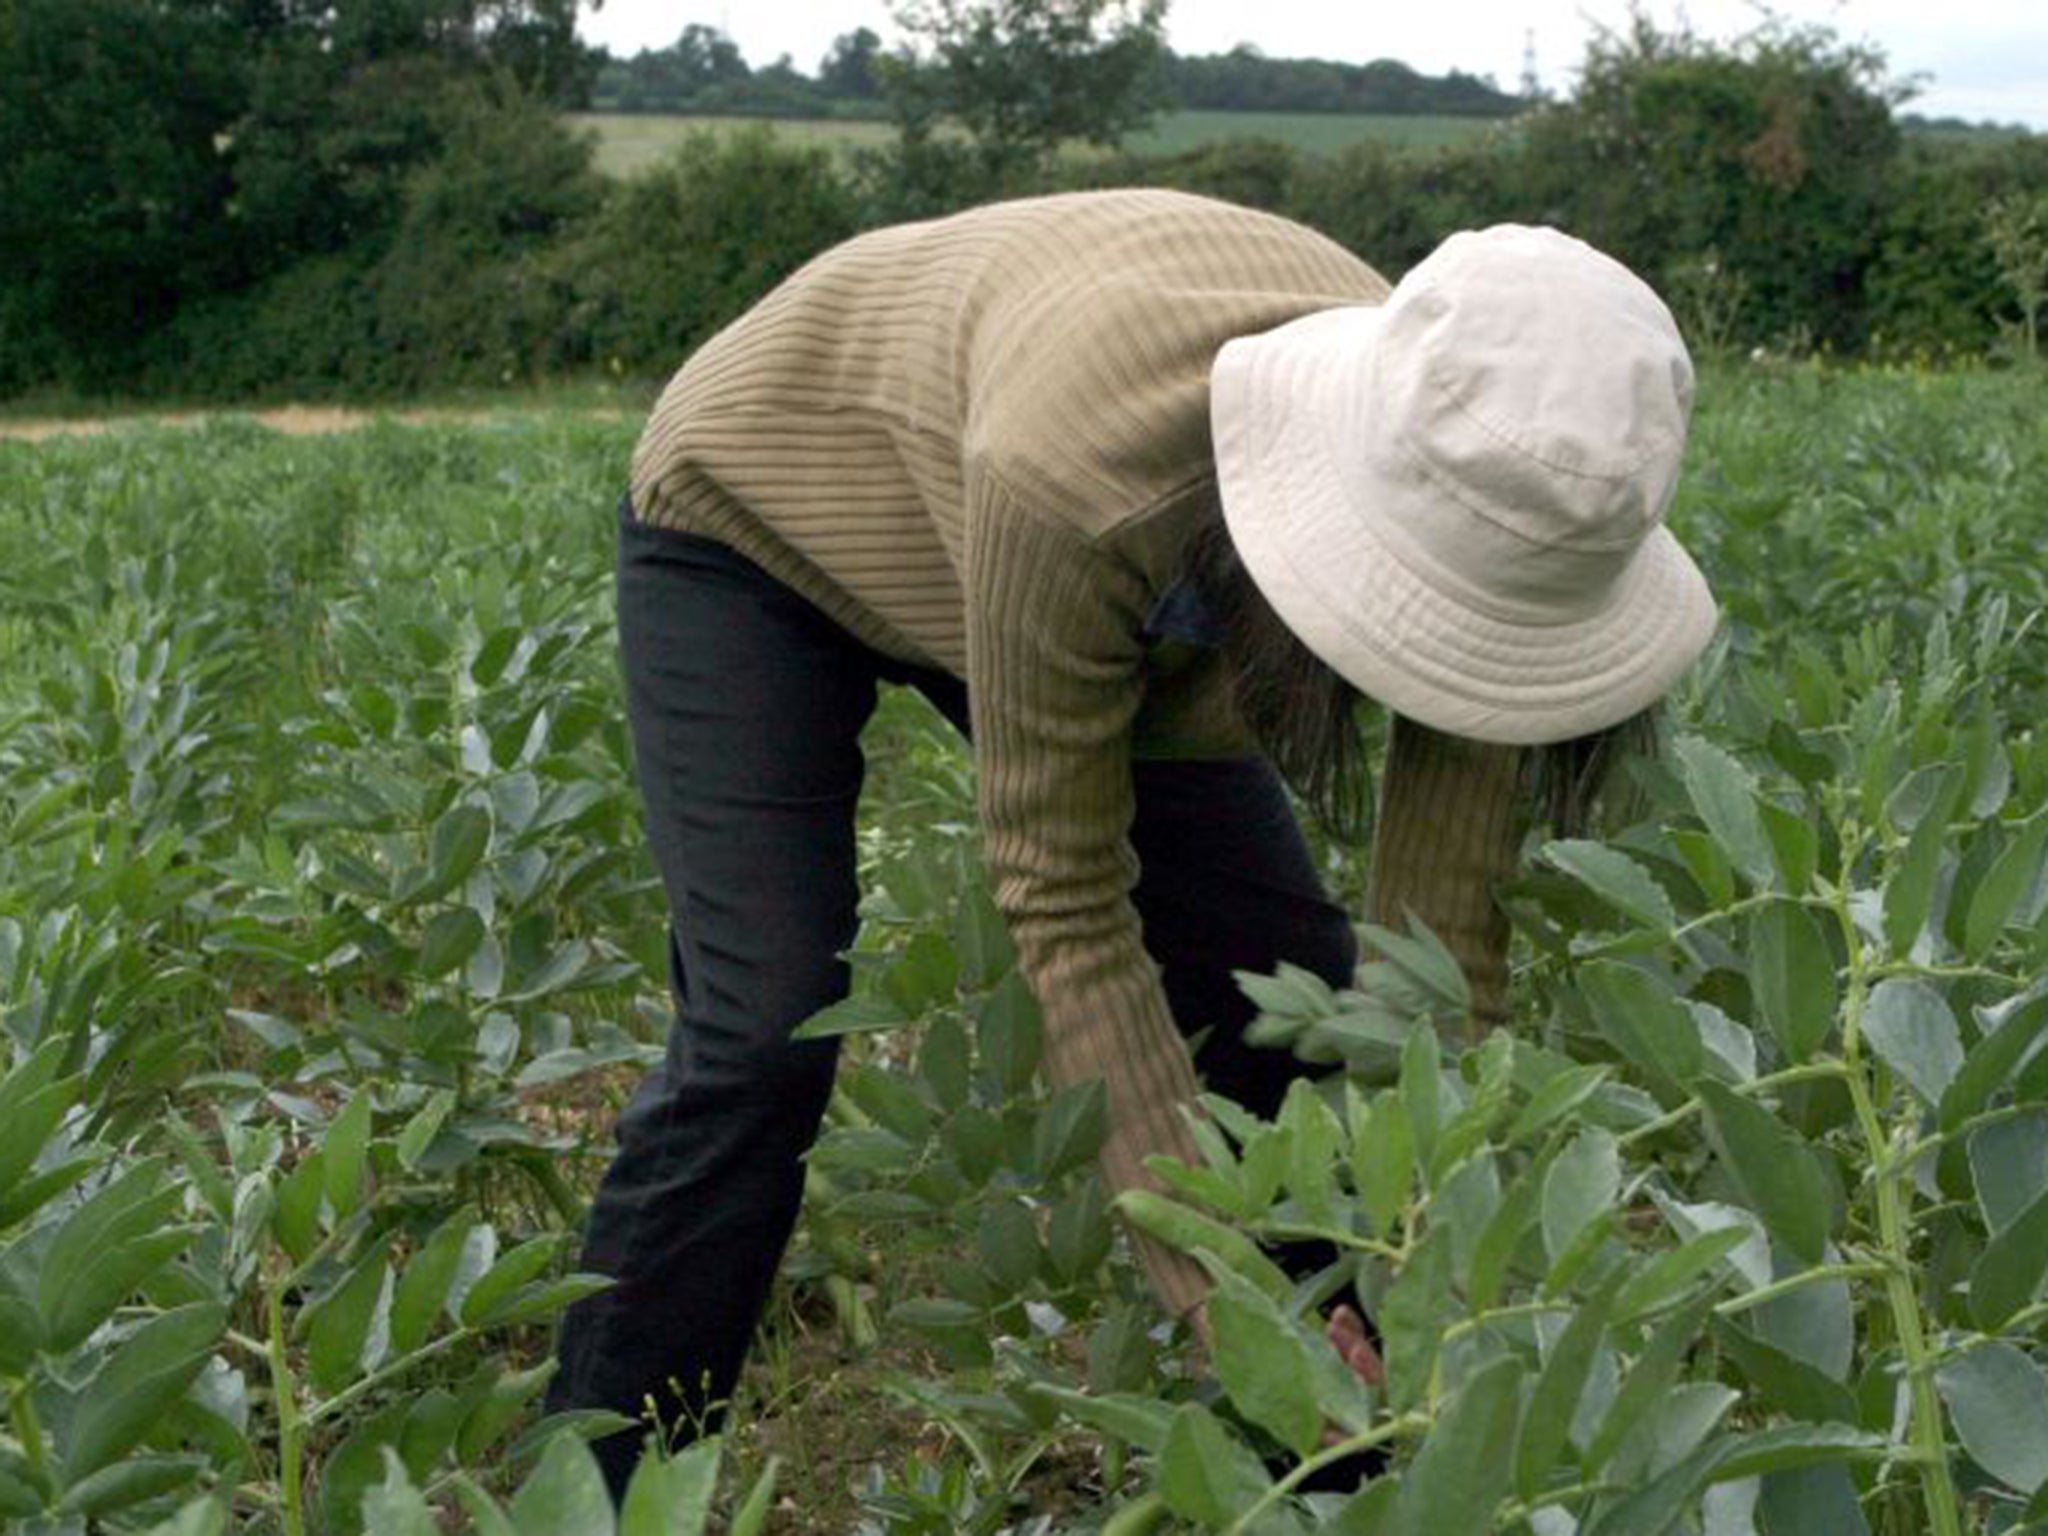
<point x="1449" y="832"/>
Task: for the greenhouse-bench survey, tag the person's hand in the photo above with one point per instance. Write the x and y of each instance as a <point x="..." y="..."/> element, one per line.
<point x="1347" y="1335"/>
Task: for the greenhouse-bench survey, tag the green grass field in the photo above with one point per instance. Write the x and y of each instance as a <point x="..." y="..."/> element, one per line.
<point x="629" y="142"/>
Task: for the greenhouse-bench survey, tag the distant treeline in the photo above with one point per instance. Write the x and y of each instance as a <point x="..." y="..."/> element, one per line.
<point x="703" y="72"/>
<point x="227" y="199"/>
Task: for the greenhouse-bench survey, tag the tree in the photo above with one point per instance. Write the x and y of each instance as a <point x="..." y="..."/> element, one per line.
<point x="112" y="189"/>
<point x="1023" y="77"/>
<point x="705" y="57"/>
<point x="847" y="72"/>
<point x="1771" y="154"/>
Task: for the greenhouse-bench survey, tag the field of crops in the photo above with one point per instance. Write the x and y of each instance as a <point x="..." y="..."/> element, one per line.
<point x="629" y="142"/>
<point x="327" y="949"/>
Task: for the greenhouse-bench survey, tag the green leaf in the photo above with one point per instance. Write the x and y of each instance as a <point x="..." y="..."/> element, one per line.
<point x="486" y="1517"/>
<point x="25" y="1197"/>
<point x="1207" y="1474"/>
<point x="1121" y="1354"/>
<point x="1707" y="864"/>
<point x="565" y="1494"/>
<point x="981" y="938"/>
<point x="2008" y="1274"/>
<point x="1909" y="1024"/>
<point x="1757" y="1452"/>
<point x="1638" y="1014"/>
<point x="671" y="1495"/>
<point x="424" y="1126"/>
<point x="1999" y="892"/>
<point x="1794" y="977"/>
<point x="21" y="1330"/>
<point x="1672" y="1271"/>
<point x="296" y="1215"/>
<point x="1659" y="1507"/>
<point x="958" y="1328"/>
<point x="493" y="1295"/>
<point x="32" y="1102"/>
<point x="500" y="1396"/>
<point x="344" y="1154"/>
<point x="1617" y="879"/>
<point x="1462" y="1470"/>
<point x="1909" y="893"/>
<point x="1382" y="1158"/>
<point x="565" y="965"/>
<point x="1139" y="1421"/>
<point x="1008" y="1034"/>
<point x="394" y="1507"/>
<point x="144" y="1375"/>
<point x="1655" y="1368"/>
<point x="1412" y="1319"/>
<point x="1795" y="843"/>
<point x="1078" y="1237"/>
<point x="1422" y="1093"/>
<point x="428" y="1278"/>
<point x="1555" y="1401"/>
<point x="751" y="1518"/>
<point x="1070" y="1130"/>
<point x="201" y="1517"/>
<point x="942" y="1061"/>
<point x="1777" y="1173"/>
<point x="1999" y="1399"/>
<point x="1314" y="1142"/>
<point x="1581" y="1186"/>
<point x="1501" y="1237"/>
<point x="1263" y="1362"/>
<point x="2007" y="1034"/>
<point x="1555" y="1097"/>
<point x="457" y="845"/>
<point x="1188" y="1230"/>
<point x="2009" y="1165"/>
<point x="1790" y="1384"/>
<point x="450" y="939"/>
<point x="1008" y="1244"/>
<point x="1724" y="794"/>
<point x="104" y="1250"/>
<point x="338" y="1326"/>
<point x="128" y="1483"/>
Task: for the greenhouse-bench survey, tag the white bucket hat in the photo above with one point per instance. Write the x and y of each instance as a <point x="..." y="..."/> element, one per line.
<point x="1456" y="498"/>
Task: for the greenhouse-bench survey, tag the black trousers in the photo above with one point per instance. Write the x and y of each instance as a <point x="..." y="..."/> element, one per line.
<point x="746" y="705"/>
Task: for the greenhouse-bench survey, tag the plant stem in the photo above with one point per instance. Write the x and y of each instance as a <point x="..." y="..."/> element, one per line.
<point x="356" y="1391"/>
<point x="29" y="1432"/>
<point x="1805" y="1277"/>
<point x="1407" y="1423"/>
<point x="1888" y="1174"/>
<point x="548" y="1179"/>
<point x="284" y="1389"/>
<point x="1466" y="1325"/>
<point x="1806" y="1072"/>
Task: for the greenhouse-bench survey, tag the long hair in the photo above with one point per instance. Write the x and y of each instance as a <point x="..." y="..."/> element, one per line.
<point x="1304" y="715"/>
<point x="1312" y="724"/>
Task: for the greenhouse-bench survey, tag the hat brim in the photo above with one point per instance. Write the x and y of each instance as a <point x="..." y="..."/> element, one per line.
<point x="1302" y="496"/>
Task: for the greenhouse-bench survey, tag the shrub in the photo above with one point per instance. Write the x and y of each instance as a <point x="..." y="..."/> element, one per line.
<point x="1773" y="152"/>
<point x="680" y="250"/>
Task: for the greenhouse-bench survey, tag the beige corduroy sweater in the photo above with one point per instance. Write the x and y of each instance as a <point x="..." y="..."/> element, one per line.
<point x="980" y="443"/>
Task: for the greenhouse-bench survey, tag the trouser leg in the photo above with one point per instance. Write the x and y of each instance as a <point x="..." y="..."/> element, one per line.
<point x="745" y="705"/>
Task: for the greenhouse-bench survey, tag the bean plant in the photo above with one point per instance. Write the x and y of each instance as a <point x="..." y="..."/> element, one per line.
<point x="328" y="949"/>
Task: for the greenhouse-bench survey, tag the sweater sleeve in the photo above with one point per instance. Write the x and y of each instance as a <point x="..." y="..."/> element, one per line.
<point x="1056" y="673"/>
<point x="1448" y="833"/>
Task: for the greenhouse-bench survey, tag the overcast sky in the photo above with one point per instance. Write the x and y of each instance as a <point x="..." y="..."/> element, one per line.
<point x="1980" y="59"/>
